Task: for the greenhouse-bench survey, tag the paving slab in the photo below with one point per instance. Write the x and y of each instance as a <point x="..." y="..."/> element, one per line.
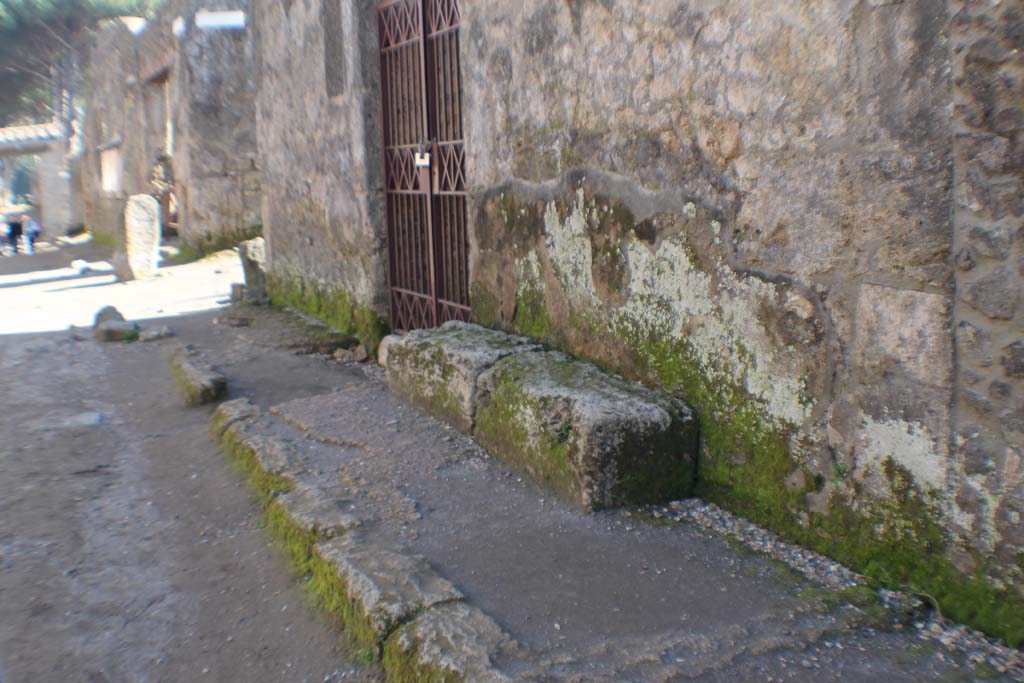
<point x="596" y="597"/>
<point x="572" y="596"/>
<point x="458" y="638"/>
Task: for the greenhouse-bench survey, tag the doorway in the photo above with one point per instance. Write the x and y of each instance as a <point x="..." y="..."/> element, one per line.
<point x="424" y="162"/>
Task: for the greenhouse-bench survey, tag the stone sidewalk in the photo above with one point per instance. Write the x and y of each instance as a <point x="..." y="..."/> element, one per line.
<point x="452" y="566"/>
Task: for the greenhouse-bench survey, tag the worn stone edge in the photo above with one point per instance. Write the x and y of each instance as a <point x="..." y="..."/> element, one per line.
<point x="198" y="383"/>
<point x="296" y="519"/>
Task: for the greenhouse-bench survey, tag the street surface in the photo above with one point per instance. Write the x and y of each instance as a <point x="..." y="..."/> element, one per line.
<point x="129" y="550"/>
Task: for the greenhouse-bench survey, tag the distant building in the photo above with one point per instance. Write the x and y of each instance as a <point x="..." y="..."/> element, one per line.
<point x="171" y="109"/>
<point x="50" y="185"/>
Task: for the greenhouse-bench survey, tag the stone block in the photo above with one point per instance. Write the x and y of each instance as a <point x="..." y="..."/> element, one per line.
<point x="903" y="331"/>
<point x="596" y="439"/>
<point x="387" y="587"/>
<point x="996" y="294"/>
<point x="438" y="369"/>
<point x="317" y="511"/>
<point x="1012" y="359"/>
<point x="107" y="313"/>
<point x="198" y="382"/>
<point x="117" y="331"/>
<point x="274" y="455"/>
<point x="253" y="254"/>
<point x="231" y="412"/>
<point x="453" y="638"/>
<point x="156" y="333"/>
<point x="142" y="234"/>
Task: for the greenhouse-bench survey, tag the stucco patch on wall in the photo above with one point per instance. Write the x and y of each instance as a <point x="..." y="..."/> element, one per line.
<point x="717" y="313"/>
<point x="909" y="445"/>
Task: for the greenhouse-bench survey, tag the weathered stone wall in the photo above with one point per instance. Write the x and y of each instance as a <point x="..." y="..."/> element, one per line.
<point x="753" y="208"/>
<point x="213" y="99"/>
<point x="208" y="94"/>
<point x="110" y="123"/>
<point x="988" y="122"/>
<point x="54" y="191"/>
<point x="319" y="137"/>
<point x="761" y="208"/>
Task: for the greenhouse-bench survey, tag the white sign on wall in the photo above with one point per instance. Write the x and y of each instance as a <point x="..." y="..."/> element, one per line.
<point x="213" y="20"/>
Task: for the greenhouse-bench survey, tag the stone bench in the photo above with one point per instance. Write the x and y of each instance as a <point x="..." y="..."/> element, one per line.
<point x="438" y="369"/>
<point x="595" y="439"/>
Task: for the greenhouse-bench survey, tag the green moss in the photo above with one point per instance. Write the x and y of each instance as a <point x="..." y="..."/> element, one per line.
<point x="746" y="456"/>
<point x="484" y="306"/>
<point x="196" y="393"/>
<point x="324" y="585"/>
<point x="331" y="594"/>
<point x="745" y="461"/>
<point x="430" y="387"/>
<point x="265" y="485"/>
<point x="335" y="307"/>
<point x="532" y="318"/>
<point x="896" y="543"/>
<point x="295" y="541"/>
<point x="500" y="427"/>
<point x="189" y="391"/>
<point x="402" y="664"/>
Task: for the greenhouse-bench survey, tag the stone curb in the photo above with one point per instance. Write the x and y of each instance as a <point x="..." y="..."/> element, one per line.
<point x="412" y="617"/>
<point x="199" y="383"/>
<point x="388" y="587"/>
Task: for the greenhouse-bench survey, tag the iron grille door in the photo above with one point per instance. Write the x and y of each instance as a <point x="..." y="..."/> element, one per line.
<point x="425" y="189"/>
<point x="406" y="187"/>
<point x="444" y="99"/>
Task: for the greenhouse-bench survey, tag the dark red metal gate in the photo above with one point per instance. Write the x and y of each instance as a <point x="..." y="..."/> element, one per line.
<point x="424" y="175"/>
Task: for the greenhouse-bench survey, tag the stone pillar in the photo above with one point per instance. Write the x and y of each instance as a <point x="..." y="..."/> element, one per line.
<point x="142" y="234"/>
<point x="254" y="264"/>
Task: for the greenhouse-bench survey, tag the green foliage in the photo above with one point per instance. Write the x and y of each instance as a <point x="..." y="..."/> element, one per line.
<point x="38" y="43"/>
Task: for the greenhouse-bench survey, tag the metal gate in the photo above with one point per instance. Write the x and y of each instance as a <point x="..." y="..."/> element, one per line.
<point x="424" y="176"/>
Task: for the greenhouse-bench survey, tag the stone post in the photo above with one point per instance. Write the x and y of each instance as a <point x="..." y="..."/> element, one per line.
<point x="142" y="235"/>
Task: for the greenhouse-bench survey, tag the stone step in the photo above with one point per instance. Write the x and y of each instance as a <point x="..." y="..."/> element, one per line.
<point x="438" y="369"/>
<point x="595" y="439"/>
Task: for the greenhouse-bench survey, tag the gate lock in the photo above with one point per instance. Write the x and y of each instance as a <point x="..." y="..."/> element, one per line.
<point x="422" y="159"/>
